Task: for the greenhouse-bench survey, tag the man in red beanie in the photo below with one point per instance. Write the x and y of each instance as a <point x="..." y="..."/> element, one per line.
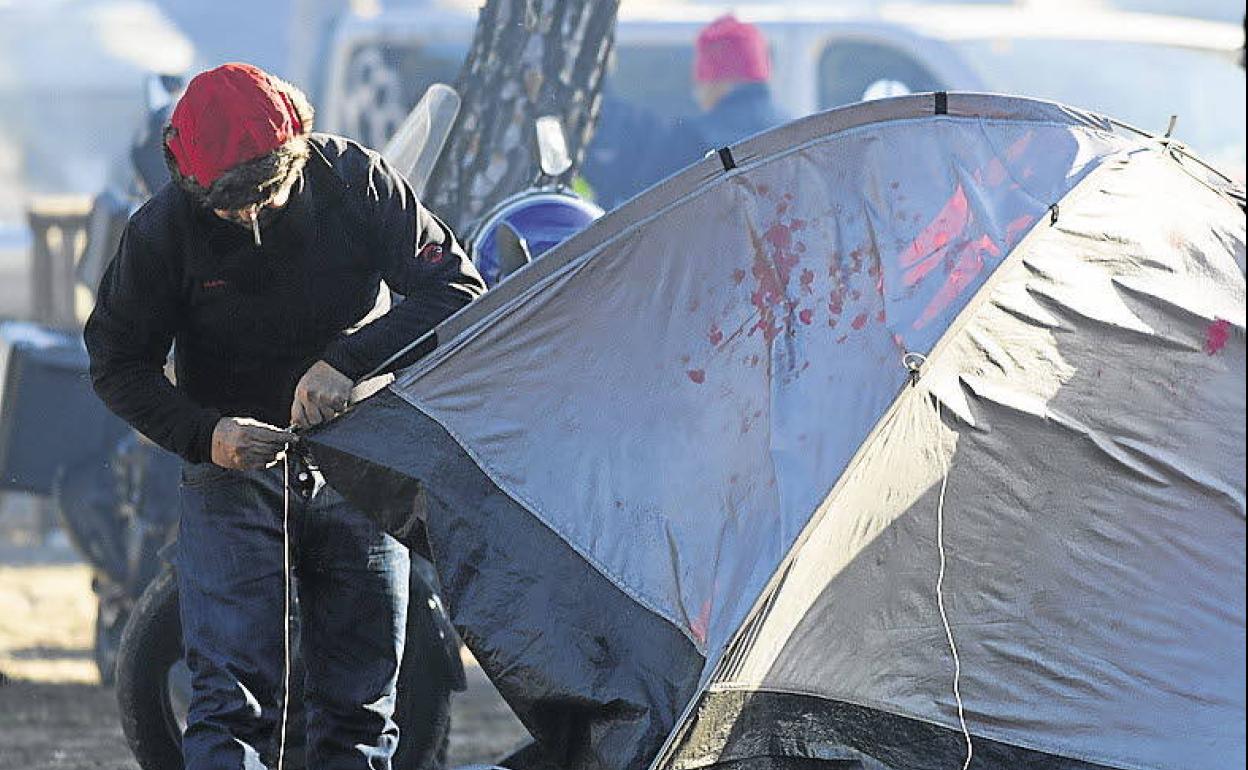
<point x="731" y="71"/>
<point x="263" y="261"/>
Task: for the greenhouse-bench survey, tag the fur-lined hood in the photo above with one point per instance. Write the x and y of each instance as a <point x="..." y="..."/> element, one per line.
<point x="253" y="180"/>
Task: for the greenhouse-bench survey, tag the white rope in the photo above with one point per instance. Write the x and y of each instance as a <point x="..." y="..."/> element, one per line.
<point x="940" y="602"/>
<point x="281" y="746"/>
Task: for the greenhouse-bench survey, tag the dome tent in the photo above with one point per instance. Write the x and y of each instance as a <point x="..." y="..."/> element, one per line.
<point x="688" y="479"/>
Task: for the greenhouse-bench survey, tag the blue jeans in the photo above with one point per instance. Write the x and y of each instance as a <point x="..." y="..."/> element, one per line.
<point x="352" y="586"/>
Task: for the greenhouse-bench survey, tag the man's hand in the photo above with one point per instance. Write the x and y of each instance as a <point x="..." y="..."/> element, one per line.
<point x="321" y="393"/>
<point x="241" y="443"/>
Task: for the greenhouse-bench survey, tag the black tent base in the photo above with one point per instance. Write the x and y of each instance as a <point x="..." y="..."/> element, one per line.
<point x="760" y="730"/>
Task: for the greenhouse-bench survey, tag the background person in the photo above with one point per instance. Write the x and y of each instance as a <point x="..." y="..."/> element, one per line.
<point x="731" y="72"/>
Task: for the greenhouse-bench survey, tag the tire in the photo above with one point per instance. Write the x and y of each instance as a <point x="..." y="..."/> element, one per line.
<point x="112" y="610"/>
<point x="151" y="647"/>
<point x="149" y="664"/>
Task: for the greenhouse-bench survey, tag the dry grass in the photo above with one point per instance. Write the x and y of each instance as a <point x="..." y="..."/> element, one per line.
<point x="55" y="716"/>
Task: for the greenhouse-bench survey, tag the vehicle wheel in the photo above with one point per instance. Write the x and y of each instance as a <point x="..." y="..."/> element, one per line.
<point x="153" y="689"/>
<point x="151" y="676"/>
<point x="112" y="609"/>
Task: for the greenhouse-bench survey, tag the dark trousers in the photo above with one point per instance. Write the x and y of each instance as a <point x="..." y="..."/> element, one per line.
<point x="352" y="589"/>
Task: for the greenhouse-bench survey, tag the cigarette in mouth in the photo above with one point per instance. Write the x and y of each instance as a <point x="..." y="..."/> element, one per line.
<point x="255" y="226"/>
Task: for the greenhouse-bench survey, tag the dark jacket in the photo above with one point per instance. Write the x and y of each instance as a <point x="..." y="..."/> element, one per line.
<point x="747" y="110"/>
<point x="248" y="321"/>
<point x="618" y="161"/>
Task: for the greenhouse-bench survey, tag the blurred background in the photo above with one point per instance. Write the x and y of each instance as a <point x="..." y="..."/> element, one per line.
<point x="85" y="86"/>
<point x="72" y="72"/>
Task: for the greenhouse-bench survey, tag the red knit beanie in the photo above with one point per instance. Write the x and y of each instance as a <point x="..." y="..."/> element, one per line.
<point x="728" y="49"/>
<point x="236" y="132"/>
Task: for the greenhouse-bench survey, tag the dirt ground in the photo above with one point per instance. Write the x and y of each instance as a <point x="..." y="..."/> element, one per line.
<point x="54" y="715"/>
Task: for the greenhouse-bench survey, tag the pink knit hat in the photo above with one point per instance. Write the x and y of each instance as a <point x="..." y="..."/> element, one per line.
<point x="728" y="49"/>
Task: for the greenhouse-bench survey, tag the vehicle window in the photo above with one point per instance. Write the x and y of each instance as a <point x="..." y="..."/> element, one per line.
<point x="1136" y="83"/>
<point x="383" y="81"/>
<point x="855" y="70"/>
<point x="658" y="78"/>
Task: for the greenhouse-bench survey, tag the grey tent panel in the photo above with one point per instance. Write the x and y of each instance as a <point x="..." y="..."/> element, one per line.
<point x="596" y="678"/>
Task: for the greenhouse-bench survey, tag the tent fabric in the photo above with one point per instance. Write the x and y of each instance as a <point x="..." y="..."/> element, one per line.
<point x="764" y="730"/>
<point x="547" y="627"/>
<point x="1094" y="505"/>
<point x="659" y="410"/>
<point x="707" y="369"/>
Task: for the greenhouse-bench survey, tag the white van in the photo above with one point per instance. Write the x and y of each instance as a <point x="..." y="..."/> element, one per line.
<point x="1139" y="68"/>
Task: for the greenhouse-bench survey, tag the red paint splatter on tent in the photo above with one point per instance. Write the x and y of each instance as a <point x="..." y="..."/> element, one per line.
<point x="836" y="296"/>
<point x="855" y="260"/>
<point x="994" y="173"/>
<point x="715" y="334"/>
<point x="773" y="266"/>
<point x="763" y="189"/>
<point x="778" y="236"/>
<point x="684" y="359"/>
<point x="881" y="316"/>
<point x="738" y="276"/>
<point x="797" y="224"/>
<point x="699" y="625"/>
<point x="697" y="375"/>
<point x="1017" y="228"/>
<point x="807" y="281"/>
<point x="754" y="360"/>
<point x="1217" y="335"/>
<point x="859" y="321"/>
<point x="842" y="338"/>
<point x="928" y="248"/>
<point x="806" y="316"/>
<point x="733" y="478"/>
<point x="969" y="265"/>
<point x="781" y="208"/>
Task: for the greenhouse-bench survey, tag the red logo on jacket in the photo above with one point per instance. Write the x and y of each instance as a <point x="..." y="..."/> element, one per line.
<point x="431" y="253"/>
